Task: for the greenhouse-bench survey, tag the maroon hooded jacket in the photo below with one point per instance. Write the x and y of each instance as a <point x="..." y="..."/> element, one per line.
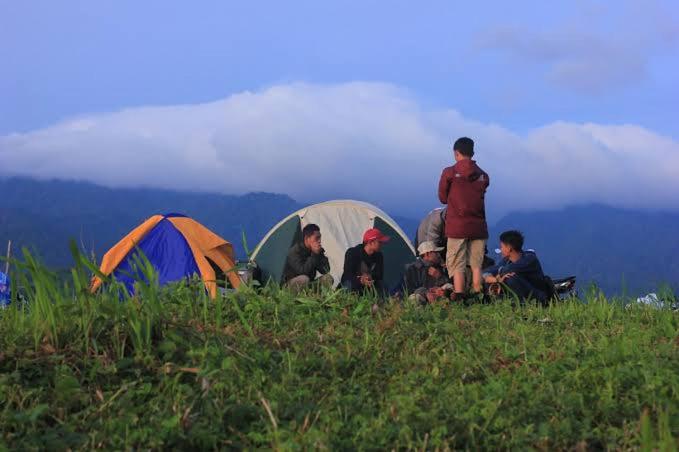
<point x="463" y="187"/>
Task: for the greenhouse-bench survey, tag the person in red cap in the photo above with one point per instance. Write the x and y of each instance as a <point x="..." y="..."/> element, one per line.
<point x="364" y="264"/>
<point x="463" y="188"/>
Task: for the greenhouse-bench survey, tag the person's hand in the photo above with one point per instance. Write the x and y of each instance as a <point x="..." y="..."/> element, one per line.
<point x="505" y="277"/>
<point x="366" y="280"/>
<point x="434" y="272"/>
<point x="316" y="247"/>
<point x="490" y="279"/>
<point x="437" y="292"/>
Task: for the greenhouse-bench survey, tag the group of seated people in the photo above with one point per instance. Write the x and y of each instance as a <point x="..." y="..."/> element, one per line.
<point x="363" y="264"/>
<point x="517" y="274"/>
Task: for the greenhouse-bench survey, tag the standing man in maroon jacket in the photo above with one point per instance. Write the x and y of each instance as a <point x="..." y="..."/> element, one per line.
<point x="463" y="188"/>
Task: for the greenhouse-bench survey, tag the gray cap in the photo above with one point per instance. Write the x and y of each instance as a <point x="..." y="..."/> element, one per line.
<point x="428" y="246"/>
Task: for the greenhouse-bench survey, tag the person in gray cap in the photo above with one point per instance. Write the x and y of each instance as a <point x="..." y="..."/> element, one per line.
<point x="424" y="279"/>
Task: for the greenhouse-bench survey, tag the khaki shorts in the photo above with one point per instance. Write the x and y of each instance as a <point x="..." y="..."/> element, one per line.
<point x="463" y="252"/>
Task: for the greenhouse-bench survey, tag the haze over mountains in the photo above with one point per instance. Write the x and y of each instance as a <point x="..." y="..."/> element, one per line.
<point x="629" y="251"/>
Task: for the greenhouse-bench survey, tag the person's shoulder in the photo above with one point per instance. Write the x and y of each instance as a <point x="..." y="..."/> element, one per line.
<point x="530" y="255"/>
<point x="353" y="250"/>
<point x="448" y="172"/>
<point x="481" y="170"/>
<point x="436" y="213"/>
<point x="414" y="265"/>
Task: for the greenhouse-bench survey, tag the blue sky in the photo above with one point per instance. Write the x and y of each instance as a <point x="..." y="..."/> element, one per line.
<point x="522" y="67"/>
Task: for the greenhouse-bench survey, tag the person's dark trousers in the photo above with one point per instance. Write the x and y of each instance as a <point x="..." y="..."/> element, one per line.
<point x="524" y="290"/>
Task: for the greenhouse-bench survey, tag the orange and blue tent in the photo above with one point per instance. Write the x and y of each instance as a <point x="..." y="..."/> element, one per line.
<point x="177" y="246"/>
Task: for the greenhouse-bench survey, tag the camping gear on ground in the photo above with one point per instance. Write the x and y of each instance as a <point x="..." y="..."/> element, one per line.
<point x="178" y="247"/>
<point x="557" y="289"/>
<point x="654" y="301"/>
<point x="565" y="287"/>
<point x="342" y="225"/>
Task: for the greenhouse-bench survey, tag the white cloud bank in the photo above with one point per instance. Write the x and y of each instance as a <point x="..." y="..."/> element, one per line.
<point x="367" y="141"/>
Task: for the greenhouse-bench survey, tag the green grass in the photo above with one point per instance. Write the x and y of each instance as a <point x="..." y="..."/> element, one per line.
<point x="173" y="369"/>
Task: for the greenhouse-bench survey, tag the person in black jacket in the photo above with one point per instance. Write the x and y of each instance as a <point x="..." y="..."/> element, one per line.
<point x="426" y="279"/>
<point x="305" y="260"/>
<point x="364" y="264"/>
<point x="520" y="271"/>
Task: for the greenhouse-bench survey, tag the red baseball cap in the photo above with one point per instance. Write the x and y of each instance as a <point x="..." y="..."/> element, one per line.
<point x="374" y="234"/>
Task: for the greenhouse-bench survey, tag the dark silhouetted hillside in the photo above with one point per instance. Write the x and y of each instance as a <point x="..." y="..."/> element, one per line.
<point x="614" y="247"/>
<point x="45" y="215"/>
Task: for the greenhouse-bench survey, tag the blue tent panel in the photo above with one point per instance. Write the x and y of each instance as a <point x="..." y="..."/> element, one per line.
<point x="167" y="250"/>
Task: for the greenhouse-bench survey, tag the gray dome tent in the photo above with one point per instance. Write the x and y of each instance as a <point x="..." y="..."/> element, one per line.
<point x="342" y="225"/>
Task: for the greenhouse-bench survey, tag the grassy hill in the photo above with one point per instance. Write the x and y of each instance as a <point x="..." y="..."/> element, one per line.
<point x="171" y="369"/>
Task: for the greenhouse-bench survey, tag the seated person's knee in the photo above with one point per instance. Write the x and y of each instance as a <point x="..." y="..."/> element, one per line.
<point x="299" y="281"/>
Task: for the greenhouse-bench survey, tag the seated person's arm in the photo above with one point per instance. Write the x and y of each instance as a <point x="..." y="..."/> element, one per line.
<point x="351" y="269"/>
<point x="323" y="263"/>
<point x="444" y="187"/>
<point x="301" y="265"/>
<point x="443" y="278"/>
<point x="435" y="272"/>
<point x="378" y="274"/>
<point x="490" y="274"/>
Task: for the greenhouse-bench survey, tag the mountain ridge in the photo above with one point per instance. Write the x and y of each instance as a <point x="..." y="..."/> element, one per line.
<point x="619" y="249"/>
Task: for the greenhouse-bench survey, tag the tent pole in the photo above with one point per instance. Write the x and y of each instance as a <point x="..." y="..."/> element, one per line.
<point x="9" y="252"/>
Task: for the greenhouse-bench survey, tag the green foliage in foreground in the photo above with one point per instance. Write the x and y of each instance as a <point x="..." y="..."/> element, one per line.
<point x="173" y="369"/>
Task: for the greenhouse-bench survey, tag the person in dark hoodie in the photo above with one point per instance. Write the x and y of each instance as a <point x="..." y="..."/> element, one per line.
<point x="364" y="264"/>
<point x="462" y="188"/>
<point x="305" y="260"/>
<point x="520" y="271"/>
